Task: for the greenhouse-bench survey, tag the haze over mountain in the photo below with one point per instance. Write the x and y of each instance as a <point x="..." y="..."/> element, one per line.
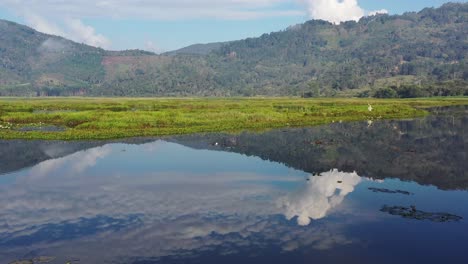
<point x="427" y="48"/>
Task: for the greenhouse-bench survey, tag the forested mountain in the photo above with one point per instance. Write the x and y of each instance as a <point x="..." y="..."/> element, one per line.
<point x="197" y="49"/>
<point x="414" y="54"/>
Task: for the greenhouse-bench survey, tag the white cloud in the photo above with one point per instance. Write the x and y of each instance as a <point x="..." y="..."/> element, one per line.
<point x="377" y="12"/>
<point x="337" y="11"/>
<point x="86" y="33"/>
<point x="46" y="17"/>
<point x="41" y="24"/>
<point x="73" y="29"/>
<point x="65" y="18"/>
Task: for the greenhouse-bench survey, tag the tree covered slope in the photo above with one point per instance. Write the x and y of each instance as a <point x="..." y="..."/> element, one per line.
<point x="427" y="49"/>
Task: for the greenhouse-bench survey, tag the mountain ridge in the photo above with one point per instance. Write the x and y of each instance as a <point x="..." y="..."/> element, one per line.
<point x="316" y="58"/>
<point x="196" y="49"/>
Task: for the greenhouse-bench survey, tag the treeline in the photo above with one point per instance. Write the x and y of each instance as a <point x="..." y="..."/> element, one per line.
<point x="453" y="88"/>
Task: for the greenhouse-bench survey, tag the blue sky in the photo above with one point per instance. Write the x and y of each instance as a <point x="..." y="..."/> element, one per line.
<point x="162" y="25"/>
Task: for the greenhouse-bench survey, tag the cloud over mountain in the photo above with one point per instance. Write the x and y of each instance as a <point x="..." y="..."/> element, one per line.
<point x="67" y="18"/>
<point x="337" y="11"/>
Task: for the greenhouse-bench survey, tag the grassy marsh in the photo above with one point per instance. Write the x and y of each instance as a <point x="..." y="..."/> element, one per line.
<point x="107" y="118"/>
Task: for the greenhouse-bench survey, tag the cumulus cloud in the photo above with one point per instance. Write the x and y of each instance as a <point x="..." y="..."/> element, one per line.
<point x="337" y="11"/>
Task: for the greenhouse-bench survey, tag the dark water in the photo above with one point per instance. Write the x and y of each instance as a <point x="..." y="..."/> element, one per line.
<point x="382" y="192"/>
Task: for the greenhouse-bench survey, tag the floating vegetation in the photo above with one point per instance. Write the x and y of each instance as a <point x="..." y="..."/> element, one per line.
<point x="43" y="259"/>
<point x="24" y="261"/>
<point x="36" y="260"/>
<point x="383" y="190"/>
<point x="412" y="213"/>
<point x="73" y="261"/>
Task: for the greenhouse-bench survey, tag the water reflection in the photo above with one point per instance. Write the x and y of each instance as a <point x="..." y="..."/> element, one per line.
<point x="188" y="200"/>
<point x="319" y="195"/>
<point x="418" y="150"/>
<point x="73" y="164"/>
<point x="430" y="151"/>
<point x="68" y="207"/>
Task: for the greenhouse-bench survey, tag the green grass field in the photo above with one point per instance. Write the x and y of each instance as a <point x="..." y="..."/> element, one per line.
<point x="107" y="118"/>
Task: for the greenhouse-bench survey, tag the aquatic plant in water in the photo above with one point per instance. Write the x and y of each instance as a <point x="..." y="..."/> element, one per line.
<point x="383" y="190"/>
<point x="412" y="213"/>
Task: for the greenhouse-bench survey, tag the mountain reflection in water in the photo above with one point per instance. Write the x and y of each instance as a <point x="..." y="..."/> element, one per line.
<point x="297" y="195"/>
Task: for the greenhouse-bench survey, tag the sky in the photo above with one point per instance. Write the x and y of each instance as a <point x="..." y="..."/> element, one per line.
<point x="164" y="25"/>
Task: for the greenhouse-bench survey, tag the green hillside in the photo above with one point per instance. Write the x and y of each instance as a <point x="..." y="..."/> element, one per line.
<point x="409" y="55"/>
<point x="30" y="60"/>
<point x="197" y="49"/>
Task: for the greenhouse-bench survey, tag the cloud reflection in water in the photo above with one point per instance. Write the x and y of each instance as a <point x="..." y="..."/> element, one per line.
<point x="318" y="196"/>
<point x="177" y="210"/>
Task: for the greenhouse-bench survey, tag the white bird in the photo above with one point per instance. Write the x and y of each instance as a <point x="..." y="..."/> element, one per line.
<point x="370" y="108"/>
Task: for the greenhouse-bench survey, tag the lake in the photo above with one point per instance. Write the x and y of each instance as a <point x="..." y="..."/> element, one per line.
<point x="363" y="192"/>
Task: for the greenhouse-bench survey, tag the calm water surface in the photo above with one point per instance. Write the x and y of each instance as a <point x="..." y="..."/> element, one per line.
<point x="366" y="192"/>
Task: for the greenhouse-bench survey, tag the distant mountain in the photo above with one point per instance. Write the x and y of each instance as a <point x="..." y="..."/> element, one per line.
<point x="426" y="50"/>
<point x="197" y="49"/>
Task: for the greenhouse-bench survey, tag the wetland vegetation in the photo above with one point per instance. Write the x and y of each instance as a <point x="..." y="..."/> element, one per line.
<point x="106" y="118"/>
